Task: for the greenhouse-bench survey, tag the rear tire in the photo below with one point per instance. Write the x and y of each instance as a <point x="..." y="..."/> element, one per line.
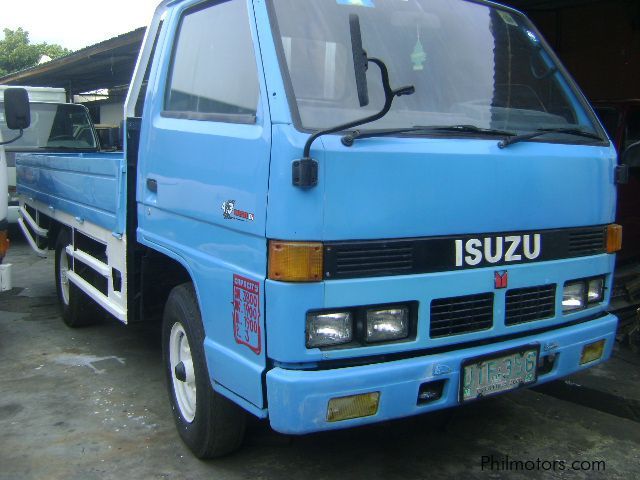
<point x="210" y="424"/>
<point x="78" y="310"/>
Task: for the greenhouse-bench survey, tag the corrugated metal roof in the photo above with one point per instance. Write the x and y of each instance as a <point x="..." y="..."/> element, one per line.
<point x="107" y="64"/>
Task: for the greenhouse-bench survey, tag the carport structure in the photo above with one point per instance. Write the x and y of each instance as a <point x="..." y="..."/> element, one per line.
<point x="105" y="65"/>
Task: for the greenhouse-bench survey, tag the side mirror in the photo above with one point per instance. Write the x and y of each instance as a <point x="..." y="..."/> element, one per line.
<point x="360" y="60"/>
<point x="629" y="164"/>
<point x="16" y="108"/>
<point x="631" y="156"/>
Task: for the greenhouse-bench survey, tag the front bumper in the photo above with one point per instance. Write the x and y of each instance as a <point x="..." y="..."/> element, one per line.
<point x="298" y="399"/>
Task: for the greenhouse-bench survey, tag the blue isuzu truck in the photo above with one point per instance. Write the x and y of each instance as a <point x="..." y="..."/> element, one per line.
<point x="344" y="211"/>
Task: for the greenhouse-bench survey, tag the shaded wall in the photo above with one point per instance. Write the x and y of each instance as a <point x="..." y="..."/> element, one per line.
<point x="599" y="44"/>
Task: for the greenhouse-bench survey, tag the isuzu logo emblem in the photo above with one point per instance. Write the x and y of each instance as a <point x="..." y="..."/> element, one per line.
<point x="496" y="250"/>
<point x="501" y="279"/>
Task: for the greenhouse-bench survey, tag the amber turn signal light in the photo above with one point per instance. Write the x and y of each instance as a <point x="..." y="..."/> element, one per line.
<point x="295" y="261"/>
<point x="614" y="238"/>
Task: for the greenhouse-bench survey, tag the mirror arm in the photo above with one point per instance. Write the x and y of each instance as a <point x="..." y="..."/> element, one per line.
<point x="389" y="95"/>
<point x="13" y="139"/>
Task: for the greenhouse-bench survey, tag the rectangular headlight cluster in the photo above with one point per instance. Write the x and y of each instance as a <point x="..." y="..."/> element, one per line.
<point x="360" y="326"/>
<point x="580" y="294"/>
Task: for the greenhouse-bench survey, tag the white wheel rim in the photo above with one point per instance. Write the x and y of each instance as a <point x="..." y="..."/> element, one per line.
<point x="185" y="391"/>
<point x="64" y="278"/>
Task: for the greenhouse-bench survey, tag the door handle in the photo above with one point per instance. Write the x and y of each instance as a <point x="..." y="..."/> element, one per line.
<point x="152" y="185"/>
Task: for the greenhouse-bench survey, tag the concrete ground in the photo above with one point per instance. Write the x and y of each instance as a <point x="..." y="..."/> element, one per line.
<point x="91" y="404"/>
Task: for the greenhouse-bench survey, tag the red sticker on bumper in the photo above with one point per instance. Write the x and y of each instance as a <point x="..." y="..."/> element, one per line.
<point x="246" y="313"/>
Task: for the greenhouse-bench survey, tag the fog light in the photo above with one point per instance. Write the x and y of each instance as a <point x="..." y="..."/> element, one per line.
<point x="595" y="291"/>
<point x="325" y="329"/>
<point x="387" y="324"/>
<point x="353" y="406"/>
<point x="592" y="352"/>
<point x="573" y="297"/>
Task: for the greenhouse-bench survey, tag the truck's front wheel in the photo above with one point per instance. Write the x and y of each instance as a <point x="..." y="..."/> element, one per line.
<point x="77" y="309"/>
<point x="210" y="424"/>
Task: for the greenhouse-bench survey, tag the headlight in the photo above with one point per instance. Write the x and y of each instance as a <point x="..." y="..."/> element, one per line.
<point x="361" y="326"/>
<point x="595" y="292"/>
<point x="573" y="297"/>
<point x="325" y="329"/>
<point x="387" y="324"/>
<point x="580" y="294"/>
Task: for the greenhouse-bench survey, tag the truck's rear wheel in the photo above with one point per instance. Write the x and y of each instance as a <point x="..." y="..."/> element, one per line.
<point x="210" y="424"/>
<point x="77" y="309"/>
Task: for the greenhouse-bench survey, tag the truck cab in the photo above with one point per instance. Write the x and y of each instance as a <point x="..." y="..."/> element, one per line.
<point x="346" y="211"/>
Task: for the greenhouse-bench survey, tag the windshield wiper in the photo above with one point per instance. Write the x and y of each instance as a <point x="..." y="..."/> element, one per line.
<point x="543" y="131"/>
<point x="348" y="139"/>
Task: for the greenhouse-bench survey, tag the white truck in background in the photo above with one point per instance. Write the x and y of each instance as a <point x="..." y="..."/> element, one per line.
<point x="5" y="271"/>
<point x="40" y="99"/>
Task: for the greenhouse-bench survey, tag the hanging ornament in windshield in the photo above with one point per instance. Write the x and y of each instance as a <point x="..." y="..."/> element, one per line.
<point x="418" y="56"/>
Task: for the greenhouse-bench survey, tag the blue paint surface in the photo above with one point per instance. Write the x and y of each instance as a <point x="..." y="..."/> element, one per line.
<point x="414" y="187"/>
<point x="199" y="166"/>
<point x="298" y="400"/>
<point x="84" y="185"/>
<point x="288" y="304"/>
<point x="380" y="188"/>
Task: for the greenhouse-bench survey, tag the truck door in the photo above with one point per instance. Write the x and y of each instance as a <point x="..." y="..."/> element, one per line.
<point x="203" y="175"/>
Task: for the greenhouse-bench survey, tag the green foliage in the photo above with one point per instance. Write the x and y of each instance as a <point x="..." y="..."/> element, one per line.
<point x="17" y="53"/>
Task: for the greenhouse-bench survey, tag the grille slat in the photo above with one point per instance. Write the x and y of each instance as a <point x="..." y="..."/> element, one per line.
<point x="381" y="263"/>
<point x="397" y="270"/>
<point x="459" y="329"/>
<point x="530" y="304"/>
<point x="382" y="252"/>
<point x="457" y="315"/>
<point x="536" y="302"/>
<point x="461" y="312"/>
<point x="468" y="300"/>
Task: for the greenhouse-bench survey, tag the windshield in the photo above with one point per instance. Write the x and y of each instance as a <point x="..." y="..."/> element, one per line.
<point x="471" y="64"/>
<point x="53" y="126"/>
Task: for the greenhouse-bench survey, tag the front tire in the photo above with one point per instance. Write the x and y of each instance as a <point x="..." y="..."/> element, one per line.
<point x="210" y="424"/>
<point x="78" y="310"/>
